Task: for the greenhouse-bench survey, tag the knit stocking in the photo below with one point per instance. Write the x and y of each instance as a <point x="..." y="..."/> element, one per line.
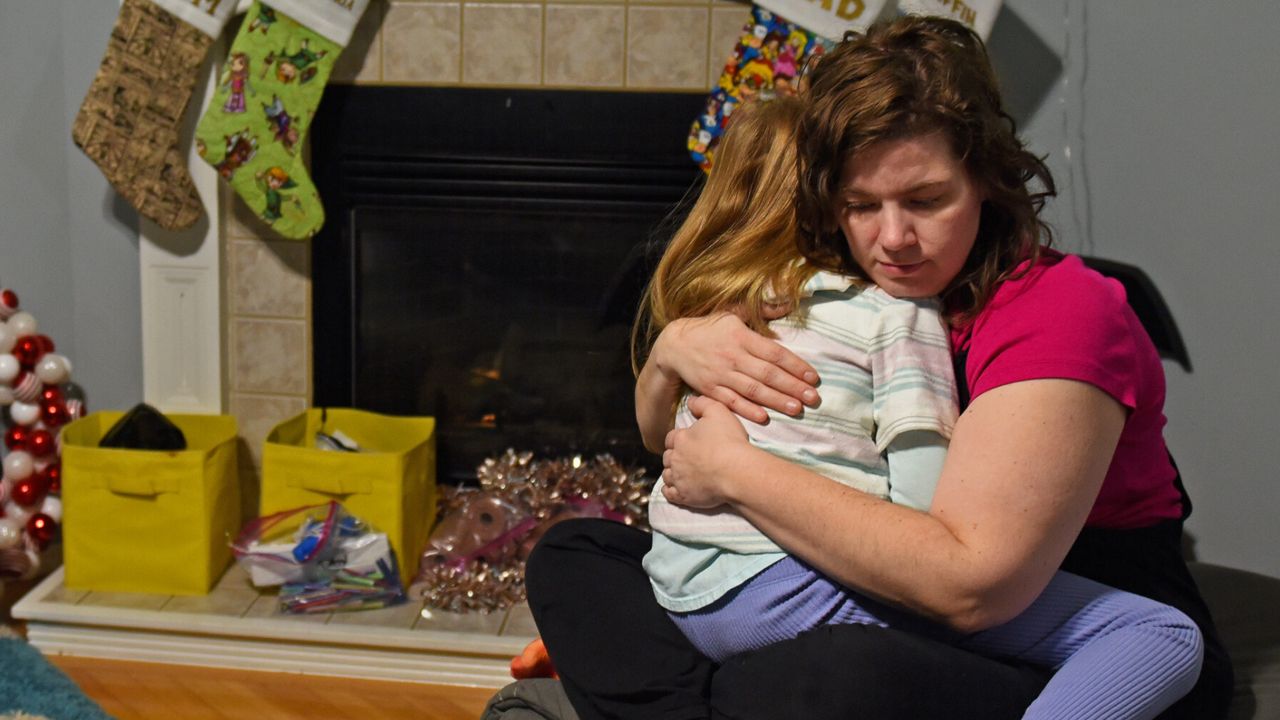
<point x="265" y="102"/>
<point x="129" y="121"/>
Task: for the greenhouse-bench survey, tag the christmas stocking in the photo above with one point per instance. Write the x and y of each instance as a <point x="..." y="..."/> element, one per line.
<point x="765" y="63"/>
<point x="129" y="121"/>
<point x="769" y="56"/>
<point x="267" y="96"/>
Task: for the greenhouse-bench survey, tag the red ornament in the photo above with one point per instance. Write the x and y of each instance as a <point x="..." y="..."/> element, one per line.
<point x="27" y="350"/>
<point x="54" y="414"/>
<point x="53" y="476"/>
<point x="41" y="443"/>
<point x="28" y="492"/>
<point x="16" y="437"/>
<point x="51" y="393"/>
<point x="42" y="528"/>
<point x="46" y="343"/>
<point x="8" y="303"/>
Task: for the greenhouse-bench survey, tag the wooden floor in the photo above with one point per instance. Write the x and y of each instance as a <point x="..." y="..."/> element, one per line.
<point x="148" y="691"/>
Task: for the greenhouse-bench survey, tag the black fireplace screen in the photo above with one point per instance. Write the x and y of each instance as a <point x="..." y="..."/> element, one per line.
<point x="486" y="272"/>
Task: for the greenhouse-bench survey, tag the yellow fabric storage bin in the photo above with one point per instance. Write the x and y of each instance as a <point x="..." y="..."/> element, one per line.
<point x="149" y="521"/>
<point x="390" y="483"/>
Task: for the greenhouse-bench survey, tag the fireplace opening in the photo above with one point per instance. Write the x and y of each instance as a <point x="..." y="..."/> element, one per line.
<point x="484" y="256"/>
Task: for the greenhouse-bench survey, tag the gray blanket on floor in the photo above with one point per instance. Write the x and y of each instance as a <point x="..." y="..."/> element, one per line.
<point x="534" y="699"/>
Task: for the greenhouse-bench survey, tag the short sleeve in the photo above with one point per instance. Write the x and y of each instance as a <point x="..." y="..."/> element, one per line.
<point x="1063" y="321"/>
<point x="913" y="382"/>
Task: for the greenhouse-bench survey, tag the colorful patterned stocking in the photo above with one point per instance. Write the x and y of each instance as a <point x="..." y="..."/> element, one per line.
<point x="765" y="62"/>
<point x="267" y="96"/>
<point x="773" y="50"/>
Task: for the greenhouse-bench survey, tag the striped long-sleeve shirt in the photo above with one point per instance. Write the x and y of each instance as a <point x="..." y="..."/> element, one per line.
<point x="886" y="369"/>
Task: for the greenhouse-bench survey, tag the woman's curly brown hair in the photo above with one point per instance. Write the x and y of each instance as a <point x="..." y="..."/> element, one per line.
<point x="905" y="78"/>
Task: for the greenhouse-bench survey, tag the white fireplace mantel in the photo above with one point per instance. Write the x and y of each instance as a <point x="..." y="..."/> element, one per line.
<point x="180" y="275"/>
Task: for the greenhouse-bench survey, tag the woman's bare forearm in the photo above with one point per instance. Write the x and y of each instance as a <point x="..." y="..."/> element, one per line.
<point x="1025" y="465"/>
<point x="892" y="552"/>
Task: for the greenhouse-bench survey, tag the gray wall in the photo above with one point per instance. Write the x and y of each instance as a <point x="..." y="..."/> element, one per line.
<point x="1156" y="117"/>
<point x="1169" y="112"/>
<point x="68" y="247"/>
<point x="1184" y="167"/>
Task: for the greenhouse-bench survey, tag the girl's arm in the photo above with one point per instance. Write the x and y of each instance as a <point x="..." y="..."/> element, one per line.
<point x="720" y="357"/>
<point x="1024" y="466"/>
<point x="915" y="461"/>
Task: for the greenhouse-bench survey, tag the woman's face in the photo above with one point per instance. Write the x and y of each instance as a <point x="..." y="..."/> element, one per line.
<point x="910" y="212"/>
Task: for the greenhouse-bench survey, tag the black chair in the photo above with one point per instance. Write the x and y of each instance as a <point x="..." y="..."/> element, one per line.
<point x="1149" y="305"/>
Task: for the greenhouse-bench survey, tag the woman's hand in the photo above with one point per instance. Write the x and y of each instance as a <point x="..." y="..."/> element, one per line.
<point x="697" y="458"/>
<point x="720" y="357"/>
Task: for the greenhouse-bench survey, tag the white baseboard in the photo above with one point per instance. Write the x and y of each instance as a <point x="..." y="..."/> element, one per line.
<point x="248" y="654"/>
<point x="390" y="644"/>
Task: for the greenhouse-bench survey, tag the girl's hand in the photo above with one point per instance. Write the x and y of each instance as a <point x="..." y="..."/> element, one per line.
<point x="699" y="459"/>
<point x="720" y="357"/>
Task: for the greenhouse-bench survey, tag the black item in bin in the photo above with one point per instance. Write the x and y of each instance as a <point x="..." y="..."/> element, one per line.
<point x="144" y="428"/>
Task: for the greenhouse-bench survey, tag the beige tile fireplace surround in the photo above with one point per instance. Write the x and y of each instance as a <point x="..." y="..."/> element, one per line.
<point x="259" y="287"/>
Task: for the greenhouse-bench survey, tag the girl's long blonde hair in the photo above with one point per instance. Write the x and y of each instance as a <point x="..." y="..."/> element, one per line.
<point x="737" y="249"/>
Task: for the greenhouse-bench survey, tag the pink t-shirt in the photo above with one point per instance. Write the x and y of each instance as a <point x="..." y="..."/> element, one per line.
<point x="1064" y="320"/>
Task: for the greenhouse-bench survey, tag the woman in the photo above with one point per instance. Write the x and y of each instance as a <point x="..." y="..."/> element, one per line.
<point x="1061" y="429"/>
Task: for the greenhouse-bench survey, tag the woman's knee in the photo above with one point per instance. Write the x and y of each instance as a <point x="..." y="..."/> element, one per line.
<point x="580" y="549"/>
<point x="552" y="556"/>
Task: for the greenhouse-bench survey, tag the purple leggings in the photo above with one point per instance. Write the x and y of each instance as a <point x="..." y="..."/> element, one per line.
<point x="1116" y="654"/>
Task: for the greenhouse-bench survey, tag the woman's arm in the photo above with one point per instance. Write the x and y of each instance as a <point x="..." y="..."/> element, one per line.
<point x="1025" y="464"/>
<point x="720" y="357"/>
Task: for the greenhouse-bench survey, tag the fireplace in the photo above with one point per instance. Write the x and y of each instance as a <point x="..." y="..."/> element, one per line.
<point x="484" y="256"/>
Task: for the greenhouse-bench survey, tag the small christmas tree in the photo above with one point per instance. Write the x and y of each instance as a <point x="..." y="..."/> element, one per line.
<point x="35" y="389"/>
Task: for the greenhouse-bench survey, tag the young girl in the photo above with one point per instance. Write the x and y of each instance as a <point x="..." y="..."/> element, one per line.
<point x="889" y="403"/>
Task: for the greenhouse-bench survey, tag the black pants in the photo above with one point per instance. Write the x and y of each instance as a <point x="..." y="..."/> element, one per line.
<point x="620" y="656"/>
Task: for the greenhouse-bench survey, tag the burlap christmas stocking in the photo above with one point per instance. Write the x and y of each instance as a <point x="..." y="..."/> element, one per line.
<point x="267" y="96"/>
<point x="129" y="121"/>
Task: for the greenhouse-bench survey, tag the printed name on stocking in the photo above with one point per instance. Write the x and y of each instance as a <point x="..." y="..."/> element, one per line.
<point x="210" y="7"/>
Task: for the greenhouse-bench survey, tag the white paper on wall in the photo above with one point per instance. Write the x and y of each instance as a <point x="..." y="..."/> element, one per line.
<point x="832" y="18"/>
<point x="977" y="14"/>
<point x="828" y="18"/>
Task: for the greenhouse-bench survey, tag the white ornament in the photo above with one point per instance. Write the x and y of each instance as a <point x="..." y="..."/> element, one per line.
<point x="33" y="558"/>
<point x="18" y="465"/>
<point x="6" y="486"/>
<point x="22" y="323"/>
<point x="52" y="506"/>
<point x="6" y="395"/>
<point x="53" y="369"/>
<point x="15" y="512"/>
<point x="10" y="533"/>
<point x="7" y="338"/>
<point x="24" y="413"/>
<point x="9" y="368"/>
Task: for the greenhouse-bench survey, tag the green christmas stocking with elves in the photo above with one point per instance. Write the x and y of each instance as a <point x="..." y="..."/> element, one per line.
<point x="267" y="95"/>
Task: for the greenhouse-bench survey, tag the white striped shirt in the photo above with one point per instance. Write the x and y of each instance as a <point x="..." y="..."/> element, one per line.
<point x="885" y="365"/>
